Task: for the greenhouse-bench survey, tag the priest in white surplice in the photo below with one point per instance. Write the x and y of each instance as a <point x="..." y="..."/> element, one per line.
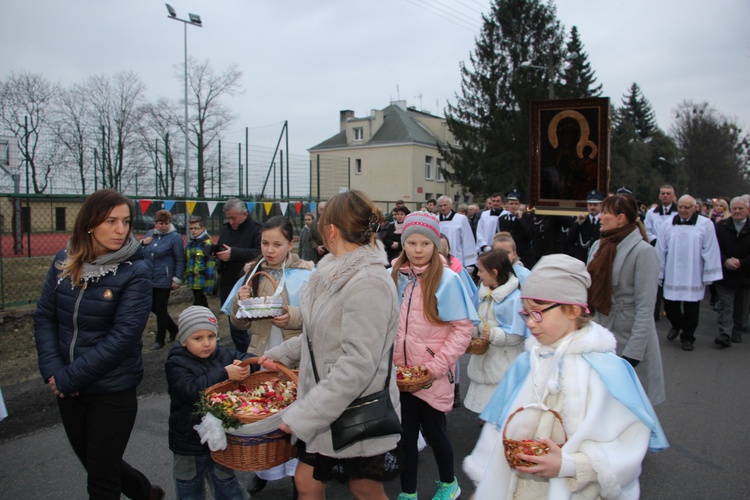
<point x="689" y="260"/>
<point x="487" y="225"/>
<point x="458" y="230"/>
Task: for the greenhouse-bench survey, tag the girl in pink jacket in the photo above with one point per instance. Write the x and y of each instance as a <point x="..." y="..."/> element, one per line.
<point x="435" y="326"/>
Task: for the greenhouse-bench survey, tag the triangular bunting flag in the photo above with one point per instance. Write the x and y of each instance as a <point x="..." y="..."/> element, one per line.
<point x="312" y="207"/>
<point x="267" y="205"/>
<point x="283" y="207"/>
<point x="168" y="204"/>
<point x="211" y="207"/>
<point x="298" y="207"/>
<point x="191" y="206"/>
<point x="250" y="206"/>
<point x="144" y="205"/>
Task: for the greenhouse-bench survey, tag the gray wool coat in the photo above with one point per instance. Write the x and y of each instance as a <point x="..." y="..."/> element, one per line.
<point x="635" y="281"/>
<point x="349" y="311"/>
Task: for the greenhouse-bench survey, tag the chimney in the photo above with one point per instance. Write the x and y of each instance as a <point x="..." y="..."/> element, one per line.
<point x="344" y="115"/>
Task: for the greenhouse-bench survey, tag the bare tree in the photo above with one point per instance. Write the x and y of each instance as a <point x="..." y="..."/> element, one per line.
<point x="715" y="151"/>
<point x="70" y="126"/>
<point x="159" y="134"/>
<point x="26" y="101"/>
<point x="210" y="116"/>
<point x="115" y="104"/>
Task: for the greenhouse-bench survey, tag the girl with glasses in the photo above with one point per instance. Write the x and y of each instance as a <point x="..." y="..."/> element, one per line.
<point x="606" y="423"/>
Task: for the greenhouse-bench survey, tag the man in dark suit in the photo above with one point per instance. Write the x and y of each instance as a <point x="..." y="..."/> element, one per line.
<point x="520" y="225"/>
<point x="585" y="230"/>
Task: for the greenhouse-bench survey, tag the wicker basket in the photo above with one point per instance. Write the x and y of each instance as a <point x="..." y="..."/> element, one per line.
<point x="527" y="447"/>
<point x="249" y="453"/>
<point x="414" y="384"/>
<point x="261" y="307"/>
<point x="477" y="346"/>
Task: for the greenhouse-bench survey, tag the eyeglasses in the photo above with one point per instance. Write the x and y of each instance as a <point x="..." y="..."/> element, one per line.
<point x="536" y="316"/>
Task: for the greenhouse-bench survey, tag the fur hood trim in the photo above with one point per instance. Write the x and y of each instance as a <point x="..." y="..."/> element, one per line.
<point x="335" y="271"/>
<point x="591" y="338"/>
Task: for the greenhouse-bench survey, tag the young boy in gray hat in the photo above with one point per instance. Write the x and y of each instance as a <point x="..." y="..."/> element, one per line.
<point x="570" y="367"/>
<point x="194" y="364"/>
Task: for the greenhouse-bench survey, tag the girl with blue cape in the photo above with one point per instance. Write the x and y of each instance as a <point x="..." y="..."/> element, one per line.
<point x="607" y="423"/>
<point x="290" y="273"/>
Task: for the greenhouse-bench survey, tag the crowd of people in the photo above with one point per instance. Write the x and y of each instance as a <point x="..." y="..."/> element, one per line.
<point x="565" y="305"/>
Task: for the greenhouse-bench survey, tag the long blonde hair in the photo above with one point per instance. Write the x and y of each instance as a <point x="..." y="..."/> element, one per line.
<point x="430" y="280"/>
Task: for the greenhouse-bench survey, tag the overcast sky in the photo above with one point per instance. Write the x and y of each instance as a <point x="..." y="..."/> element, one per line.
<point x="303" y="60"/>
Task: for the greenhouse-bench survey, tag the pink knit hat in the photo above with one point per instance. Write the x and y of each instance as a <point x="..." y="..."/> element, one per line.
<point x="423" y="223"/>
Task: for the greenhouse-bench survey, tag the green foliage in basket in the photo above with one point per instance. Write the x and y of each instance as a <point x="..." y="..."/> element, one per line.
<point x="203" y="406"/>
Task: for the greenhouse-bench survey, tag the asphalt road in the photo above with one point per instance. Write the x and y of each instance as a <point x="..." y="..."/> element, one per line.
<point x="705" y="418"/>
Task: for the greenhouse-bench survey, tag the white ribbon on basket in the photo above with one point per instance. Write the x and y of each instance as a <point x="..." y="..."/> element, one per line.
<point x="279" y="286"/>
<point x="211" y="431"/>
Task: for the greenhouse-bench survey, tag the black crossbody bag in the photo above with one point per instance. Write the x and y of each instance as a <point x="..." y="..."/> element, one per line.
<point x="367" y="417"/>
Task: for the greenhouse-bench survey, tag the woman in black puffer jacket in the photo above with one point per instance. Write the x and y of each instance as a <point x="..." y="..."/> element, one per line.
<point x="88" y="326"/>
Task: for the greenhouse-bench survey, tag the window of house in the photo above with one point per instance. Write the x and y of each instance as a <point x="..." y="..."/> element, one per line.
<point x="428" y="167"/>
<point x="427" y="196"/>
<point x="358" y="166"/>
<point x="439" y="170"/>
<point x="358" y="133"/>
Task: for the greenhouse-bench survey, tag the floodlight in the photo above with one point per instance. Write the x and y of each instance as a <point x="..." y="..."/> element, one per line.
<point x="195" y="19"/>
<point x="170" y="9"/>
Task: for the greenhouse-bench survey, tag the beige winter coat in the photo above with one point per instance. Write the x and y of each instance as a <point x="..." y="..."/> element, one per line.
<point x="350" y="312"/>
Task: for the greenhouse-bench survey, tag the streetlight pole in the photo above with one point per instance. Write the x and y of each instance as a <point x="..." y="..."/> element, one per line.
<point x="550" y="71"/>
<point x="195" y="20"/>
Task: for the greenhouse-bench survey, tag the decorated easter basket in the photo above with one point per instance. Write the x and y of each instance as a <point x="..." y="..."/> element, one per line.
<point x="526" y="446"/>
<point x="410" y="379"/>
<point x="262" y="307"/>
<point x="245" y="450"/>
<point x="478" y="346"/>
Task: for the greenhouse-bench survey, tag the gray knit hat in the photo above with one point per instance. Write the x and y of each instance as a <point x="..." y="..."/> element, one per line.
<point x="423" y="223"/>
<point x="196" y="318"/>
<point x="558" y="278"/>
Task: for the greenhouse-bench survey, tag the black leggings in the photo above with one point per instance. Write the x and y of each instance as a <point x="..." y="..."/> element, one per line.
<point x="98" y="428"/>
<point x="416" y="414"/>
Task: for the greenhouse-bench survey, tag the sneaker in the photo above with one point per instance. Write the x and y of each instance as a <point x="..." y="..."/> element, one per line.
<point x="407" y="496"/>
<point x="447" y="491"/>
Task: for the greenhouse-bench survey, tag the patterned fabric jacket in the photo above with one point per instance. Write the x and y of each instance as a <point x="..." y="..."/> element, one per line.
<point x="200" y="269"/>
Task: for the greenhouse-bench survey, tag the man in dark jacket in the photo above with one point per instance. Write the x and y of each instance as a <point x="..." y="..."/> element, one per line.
<point x="239" y="243"/>
<point x="520" y="225"/>
<point x="585" y="230"/>
<point x="733" y="292"/>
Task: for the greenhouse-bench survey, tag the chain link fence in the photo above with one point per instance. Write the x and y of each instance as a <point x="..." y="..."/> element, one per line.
<point x="34" y="228"/>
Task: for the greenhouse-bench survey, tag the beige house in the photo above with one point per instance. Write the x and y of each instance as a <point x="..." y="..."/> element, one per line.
<point x="392" y="154"/>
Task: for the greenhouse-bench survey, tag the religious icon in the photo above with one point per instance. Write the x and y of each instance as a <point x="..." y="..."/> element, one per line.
<point x="569" y="152"/>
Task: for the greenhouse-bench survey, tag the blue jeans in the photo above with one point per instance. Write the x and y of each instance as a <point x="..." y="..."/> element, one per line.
<point x="190" y="472"/>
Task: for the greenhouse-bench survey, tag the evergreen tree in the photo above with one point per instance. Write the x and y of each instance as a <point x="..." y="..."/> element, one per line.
<point x="490" y="119"/>
<point x="637" y="111"/>
<point x="578" y="77"/>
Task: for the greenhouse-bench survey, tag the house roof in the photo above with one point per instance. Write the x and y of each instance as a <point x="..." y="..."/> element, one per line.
<point x="398" y="126"/>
